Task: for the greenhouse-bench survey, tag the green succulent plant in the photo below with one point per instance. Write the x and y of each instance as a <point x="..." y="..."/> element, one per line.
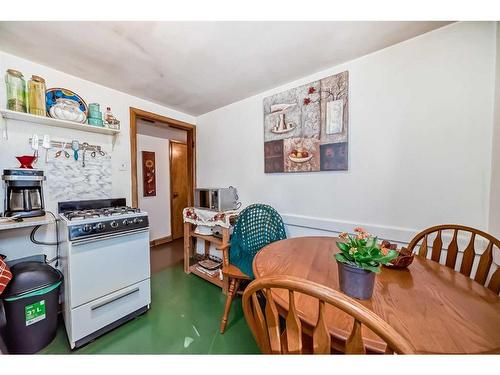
<point x="362" y="251"/>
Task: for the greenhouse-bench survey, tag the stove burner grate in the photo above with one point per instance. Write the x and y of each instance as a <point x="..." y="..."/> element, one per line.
<point x="100" y="212"/>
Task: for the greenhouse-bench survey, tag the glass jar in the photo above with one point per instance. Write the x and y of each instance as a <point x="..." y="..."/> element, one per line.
<point x="111" y="120"/>
<point x="36" y="96"/>
<point x="16" y="90"/>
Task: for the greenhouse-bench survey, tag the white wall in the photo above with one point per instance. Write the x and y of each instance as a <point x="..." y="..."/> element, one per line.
<point x="494" y="223"/>
<point x="419" y="145"/>
<point x="15" y="243"/>
<point x="158" y="206"/>
<point x="157" y="138"/>
<point x="160" y="130"/>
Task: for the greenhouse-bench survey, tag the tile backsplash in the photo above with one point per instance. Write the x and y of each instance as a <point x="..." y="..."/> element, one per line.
<point x="67" y="179"/>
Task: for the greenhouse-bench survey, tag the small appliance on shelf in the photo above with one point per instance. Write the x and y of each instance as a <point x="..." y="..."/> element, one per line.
<point x="23" y="192"/>
<point x="217" y="199"/>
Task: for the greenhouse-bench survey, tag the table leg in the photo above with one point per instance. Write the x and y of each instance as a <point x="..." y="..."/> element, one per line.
<point x="188" y="243"/>
<point x="225" y="260"/>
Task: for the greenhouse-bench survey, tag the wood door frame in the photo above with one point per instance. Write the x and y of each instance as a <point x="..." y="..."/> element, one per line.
<point x="170" y="141"/>
<point x="190" y="129"/>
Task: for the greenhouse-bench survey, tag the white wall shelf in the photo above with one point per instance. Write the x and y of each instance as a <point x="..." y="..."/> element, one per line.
<point x="26" y="222"/>
<point x="48" y="121"/>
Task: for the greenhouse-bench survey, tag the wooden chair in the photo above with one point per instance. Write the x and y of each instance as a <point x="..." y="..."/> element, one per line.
<point x="485" y="264"/>
<point x="265" y="326"/>
<point x="257" y="226"/>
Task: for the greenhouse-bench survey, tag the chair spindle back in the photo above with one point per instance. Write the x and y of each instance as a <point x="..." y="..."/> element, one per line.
<point x="485" y="265"/>
<point x="265" y="325"/>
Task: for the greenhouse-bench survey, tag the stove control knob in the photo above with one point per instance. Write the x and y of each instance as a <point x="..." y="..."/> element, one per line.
<point x="87" y="228"/>
<point x="100" y="226"/>
<point x="113" y="224"/>
<point x="126" y="222"/>
<point x="137" y="220"/>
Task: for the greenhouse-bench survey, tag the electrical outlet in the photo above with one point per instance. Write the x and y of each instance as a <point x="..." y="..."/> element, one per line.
<point x="123" y="166"/>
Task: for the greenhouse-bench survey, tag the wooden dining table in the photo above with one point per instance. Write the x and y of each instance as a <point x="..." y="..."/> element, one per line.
<point x="437" y="309"/>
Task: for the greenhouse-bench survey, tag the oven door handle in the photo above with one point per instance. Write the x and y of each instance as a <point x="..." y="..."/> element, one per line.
<point x="84" y="241"/>
<point x="113" y="299"/>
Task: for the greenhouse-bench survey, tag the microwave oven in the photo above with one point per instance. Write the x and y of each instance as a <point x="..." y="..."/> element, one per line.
<point x="216" y="199"/>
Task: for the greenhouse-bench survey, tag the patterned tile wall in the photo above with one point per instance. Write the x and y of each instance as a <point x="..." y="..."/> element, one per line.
<point x="67" y="179"/>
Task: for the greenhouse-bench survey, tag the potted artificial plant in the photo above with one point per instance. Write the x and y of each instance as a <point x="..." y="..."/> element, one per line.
<point x="359" y="261"/>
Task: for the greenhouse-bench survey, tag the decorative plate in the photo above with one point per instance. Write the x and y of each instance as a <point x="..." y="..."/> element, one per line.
<point x="292" y="127"/>
<point x="300" y="160"/>
<point x="51" y="95"/>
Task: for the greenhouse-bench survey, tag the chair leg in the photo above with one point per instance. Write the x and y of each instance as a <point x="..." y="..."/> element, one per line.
<point x="233" y="287"/>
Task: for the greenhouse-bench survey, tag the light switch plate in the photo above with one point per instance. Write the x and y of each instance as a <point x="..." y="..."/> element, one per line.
<point x="123" y="166"/>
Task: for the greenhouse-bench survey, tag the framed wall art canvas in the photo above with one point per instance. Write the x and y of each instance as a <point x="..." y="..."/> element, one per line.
<point x="148" y="174"/>
<point x="306" y="128"/>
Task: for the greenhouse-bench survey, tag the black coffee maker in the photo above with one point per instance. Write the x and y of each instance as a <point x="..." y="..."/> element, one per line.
<point x="23" y="192"/>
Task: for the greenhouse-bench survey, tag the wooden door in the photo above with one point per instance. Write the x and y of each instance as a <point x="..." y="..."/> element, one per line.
<point x="179" y="186"/>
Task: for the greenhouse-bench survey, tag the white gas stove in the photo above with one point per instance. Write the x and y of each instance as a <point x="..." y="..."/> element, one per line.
<point x="104" y="256"/>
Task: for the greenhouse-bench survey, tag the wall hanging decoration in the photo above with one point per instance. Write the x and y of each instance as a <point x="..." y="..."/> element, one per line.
<point x="148" y="173"/>
<point x="306" y="128"/>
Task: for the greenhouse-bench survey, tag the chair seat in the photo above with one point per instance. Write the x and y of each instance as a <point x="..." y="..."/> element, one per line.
<point x="235" y="272"/>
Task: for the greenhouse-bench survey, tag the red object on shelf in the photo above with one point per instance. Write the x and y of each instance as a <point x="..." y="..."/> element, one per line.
<point x="26" y="161"/>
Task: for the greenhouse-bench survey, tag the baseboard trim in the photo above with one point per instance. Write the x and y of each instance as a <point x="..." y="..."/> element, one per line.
<point x="160" y="241"/>
<point x="397" y="234"/>
<point x="393" y="234"/>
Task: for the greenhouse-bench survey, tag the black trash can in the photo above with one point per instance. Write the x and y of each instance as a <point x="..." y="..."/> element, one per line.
<point x="31" y="302"/>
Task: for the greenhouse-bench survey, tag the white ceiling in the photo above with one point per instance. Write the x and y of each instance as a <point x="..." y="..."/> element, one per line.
<point x="196" y="67"/>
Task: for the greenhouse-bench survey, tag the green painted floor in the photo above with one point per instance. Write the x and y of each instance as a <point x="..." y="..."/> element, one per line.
<point x="184" y="319"/>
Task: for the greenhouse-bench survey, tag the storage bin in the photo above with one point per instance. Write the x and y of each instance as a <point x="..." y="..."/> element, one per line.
<point x="31" y="302"/>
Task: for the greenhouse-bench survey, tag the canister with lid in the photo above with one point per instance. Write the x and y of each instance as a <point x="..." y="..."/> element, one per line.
<point x="95" y="115"/>
<point x="16" y="90"/>
<point x="36" y="96"/>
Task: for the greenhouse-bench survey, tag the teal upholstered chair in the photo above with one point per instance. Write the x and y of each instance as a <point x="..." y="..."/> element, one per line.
<point x="257" y="226"/>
